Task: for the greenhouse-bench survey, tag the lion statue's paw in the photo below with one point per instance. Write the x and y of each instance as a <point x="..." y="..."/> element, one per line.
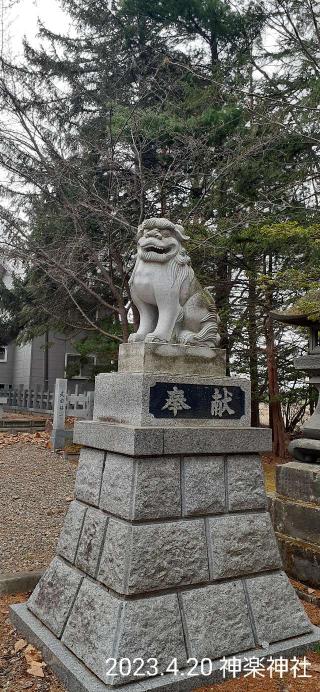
<point x="135" y="337"/>
<point x="186" y="338"/>
<point x="155" y="338"/>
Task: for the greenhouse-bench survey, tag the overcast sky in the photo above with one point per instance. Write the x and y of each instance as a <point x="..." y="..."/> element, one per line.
<point x="22" y="19"/>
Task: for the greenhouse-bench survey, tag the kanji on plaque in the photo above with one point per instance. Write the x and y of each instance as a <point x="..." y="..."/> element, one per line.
<point x="220" y="403"/>
<point x="176" y="401"/>
<point x="215" y="402"/>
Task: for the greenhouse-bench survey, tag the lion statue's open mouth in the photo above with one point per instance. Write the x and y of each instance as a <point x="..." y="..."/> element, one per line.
<point x="152" y="249"/>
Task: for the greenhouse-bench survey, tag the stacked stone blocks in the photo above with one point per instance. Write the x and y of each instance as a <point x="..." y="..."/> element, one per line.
<point x="296" y="517"/>
<point x="181" y="541"/>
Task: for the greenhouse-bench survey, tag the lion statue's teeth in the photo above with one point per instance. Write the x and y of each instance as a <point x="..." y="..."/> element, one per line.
<point x="172" y="304"/>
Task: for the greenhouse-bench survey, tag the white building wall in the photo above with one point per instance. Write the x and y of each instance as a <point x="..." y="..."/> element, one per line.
<point x="6" y="368"/>
<point x="59" y="345"/>
<point x="22" y="365"/>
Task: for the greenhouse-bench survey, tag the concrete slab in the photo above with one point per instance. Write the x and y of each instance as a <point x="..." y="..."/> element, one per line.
<point x="219" y="441"/>
<point x="76" y="677"/>
<point x="21" y="582"/>
<point x="190" y="440"/>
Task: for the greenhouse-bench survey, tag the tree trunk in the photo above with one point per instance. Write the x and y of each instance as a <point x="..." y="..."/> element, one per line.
<point x="275" y="413"/>
<point x="222" y="291"/>
<point x="311" y="399"/>
<point x="253" y="349"/>
<point x="214" y="50"/>
<point x="46" y="361"/>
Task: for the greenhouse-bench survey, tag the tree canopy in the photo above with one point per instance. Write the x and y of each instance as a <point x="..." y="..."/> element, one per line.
<point x="203" y="111"/>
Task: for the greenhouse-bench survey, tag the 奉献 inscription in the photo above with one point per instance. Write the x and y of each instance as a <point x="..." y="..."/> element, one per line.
<point x="170" y="400"/>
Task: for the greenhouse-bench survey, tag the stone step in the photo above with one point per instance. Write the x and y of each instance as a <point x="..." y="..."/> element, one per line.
<point x="299" y="481"/>
<point x="301" y="560"/>
<point x="299" y="520"/>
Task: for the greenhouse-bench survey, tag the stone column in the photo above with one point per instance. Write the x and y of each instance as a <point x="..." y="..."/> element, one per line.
<point x="168" y="550"/>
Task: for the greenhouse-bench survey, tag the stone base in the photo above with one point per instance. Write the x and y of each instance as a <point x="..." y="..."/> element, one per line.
<point x="299" y="481"/>
<point x="141" y="399"/>
<point x="96" y="624"/>
<point x="77" y="678"/>
<point x="172" y="359"/>
<point x="301" y="560"/>
<point x="147" y="441"/>
<point x="295" y="511"/>
<point x="167" y="551"/>
<point x="167" y="557"/>
<point x="297" y="519"/>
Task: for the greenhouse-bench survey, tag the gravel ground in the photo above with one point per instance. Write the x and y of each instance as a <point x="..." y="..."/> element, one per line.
<point x="36" y="487"/>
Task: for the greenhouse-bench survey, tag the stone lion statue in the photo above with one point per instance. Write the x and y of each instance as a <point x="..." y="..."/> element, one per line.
<point x="172" y="304"/>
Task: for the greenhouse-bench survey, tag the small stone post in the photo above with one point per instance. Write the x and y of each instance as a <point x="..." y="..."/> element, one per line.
<point x="90" y="405"/>
<point x="59" y="413"/>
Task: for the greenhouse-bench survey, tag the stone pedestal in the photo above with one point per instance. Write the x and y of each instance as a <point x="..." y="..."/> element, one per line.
<point x="296" y="518"/>
<point x="168" y="550"/>
<point x="174" y="359"/>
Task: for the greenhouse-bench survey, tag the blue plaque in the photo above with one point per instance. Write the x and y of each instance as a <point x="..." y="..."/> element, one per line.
<point x="176" y="400"/>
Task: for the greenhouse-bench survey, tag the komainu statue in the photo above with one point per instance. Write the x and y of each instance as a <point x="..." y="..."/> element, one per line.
<point x="172" y="304"/>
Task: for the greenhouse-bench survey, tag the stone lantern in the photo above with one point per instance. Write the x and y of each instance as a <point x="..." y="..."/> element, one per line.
<point x="306" y="449"/>
<point x="295" y="506"/>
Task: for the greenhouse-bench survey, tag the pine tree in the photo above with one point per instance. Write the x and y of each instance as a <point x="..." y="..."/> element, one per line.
<point x="163" y="108"/>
